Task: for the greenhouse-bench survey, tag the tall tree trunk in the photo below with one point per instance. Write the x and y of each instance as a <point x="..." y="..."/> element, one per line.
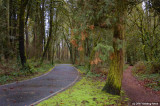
<point x="87" y="48"/>
<point x="53" y="54"/>
<point x="7" y="42"/>
<point x="42" y="35"/>
<point x="34" y="42"/>
<point x="55" y="33"/>
<point x="14" y="34"/>
<point x="62" y="52"/>
<point x="27" y="41"/>
<point x="50" y="31"/>
<point x="0" y="2"/>
<point x="26" y="31"/>
<point x="67" y="55"/>
<point x="23" y="5"/>
<point x="75" y="54"/>
<point x="59" y="51"/>
<point x="114" y="78"/>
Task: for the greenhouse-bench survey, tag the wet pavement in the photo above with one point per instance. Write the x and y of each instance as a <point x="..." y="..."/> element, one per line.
<point x="31" y="91"/>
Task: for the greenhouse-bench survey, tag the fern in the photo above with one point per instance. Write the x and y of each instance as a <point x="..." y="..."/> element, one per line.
<point x="105" y="50"/>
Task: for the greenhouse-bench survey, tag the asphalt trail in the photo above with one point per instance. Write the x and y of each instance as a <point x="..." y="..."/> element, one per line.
<point x="31" y="91"/>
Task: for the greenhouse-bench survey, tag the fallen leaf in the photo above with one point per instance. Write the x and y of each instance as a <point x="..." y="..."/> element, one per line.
<point x="4" y="89"/>
<point x="14" y="101"/>
<point x="11" y="88"/>
<point x="51" y="91"/>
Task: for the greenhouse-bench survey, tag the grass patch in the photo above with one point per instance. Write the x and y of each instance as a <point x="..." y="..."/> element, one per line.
<point x="86" y="92"/>
<point x="82" y="69"/>
<point x="126" y="66"/>
<point x="11" y="72"/>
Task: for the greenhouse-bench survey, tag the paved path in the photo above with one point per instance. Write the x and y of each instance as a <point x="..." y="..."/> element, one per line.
<point x="31" y="91"/>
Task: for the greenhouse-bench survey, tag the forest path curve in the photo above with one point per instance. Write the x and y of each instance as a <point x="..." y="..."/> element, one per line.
<point x="136" y="92"/>
<point x="32" y="91"/>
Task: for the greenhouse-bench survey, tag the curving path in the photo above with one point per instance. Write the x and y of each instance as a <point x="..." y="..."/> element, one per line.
<point x="32" y="91"/>
<point x="136" y="92"/>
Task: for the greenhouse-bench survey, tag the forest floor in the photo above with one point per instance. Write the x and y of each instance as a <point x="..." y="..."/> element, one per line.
<point x="11" y="71"/>
<point x="135" y="90"/>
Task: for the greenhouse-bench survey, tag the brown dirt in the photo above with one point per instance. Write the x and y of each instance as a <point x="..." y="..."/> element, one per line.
<point x="137" y="92"/>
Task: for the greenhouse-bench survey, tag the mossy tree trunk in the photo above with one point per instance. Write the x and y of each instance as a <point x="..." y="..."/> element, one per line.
<point x="23" y="4"/>
<point x="114" y="78"/>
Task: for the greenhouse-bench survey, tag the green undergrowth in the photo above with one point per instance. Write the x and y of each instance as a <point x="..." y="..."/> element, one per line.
<point x="82" y="69"/>
<point x="11" y="72"/>
<point x="85" y="71"/>
<point x="150" y="80"/>
<point x="126" y="66"/>
<point x="86" y="92"/>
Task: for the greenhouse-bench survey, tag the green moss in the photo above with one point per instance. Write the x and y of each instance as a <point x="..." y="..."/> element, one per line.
<point x="114" y="78"/>
<point x="86" y="92"/>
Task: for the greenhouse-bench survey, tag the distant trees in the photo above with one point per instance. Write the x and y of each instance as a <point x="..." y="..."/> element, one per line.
<point x="8" y="30"/>
<point x="143" y="29"/>
<point x="28" y="33"/>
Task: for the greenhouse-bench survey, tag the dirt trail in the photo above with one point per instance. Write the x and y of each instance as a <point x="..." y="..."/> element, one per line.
<point x="136" y="92"/>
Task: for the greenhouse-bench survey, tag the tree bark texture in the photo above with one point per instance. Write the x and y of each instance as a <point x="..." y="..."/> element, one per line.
<point x="23" y="5"/>
<point x="114" y="78"/>
<point x="50" y="32"/>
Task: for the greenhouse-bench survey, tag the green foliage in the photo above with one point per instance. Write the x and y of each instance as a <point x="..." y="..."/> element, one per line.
<point x="139" y="68"/>
<point x="27" y="69"/>
<point x="83" y="69"/>
<point x="143" y="72"/>
<point x="105" y="50"/>
<point x="4" y="79"/>
<point x="16" y="73"/>
<point x="91" y="74"/>
<point x="143" y="30"/>
<point x="119" y="44"/>
<point x="125" y="66"/>
<point x="146" y="67"/>
<point x="154" y="81"/>
<point x="87" y="92"/>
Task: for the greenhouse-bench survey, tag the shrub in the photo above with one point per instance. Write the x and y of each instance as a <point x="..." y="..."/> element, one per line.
<point x="152" y="67"/>
<point x="155" y="67"/>
<point x="139" y="68"/>
<point x="100" y="70"/>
